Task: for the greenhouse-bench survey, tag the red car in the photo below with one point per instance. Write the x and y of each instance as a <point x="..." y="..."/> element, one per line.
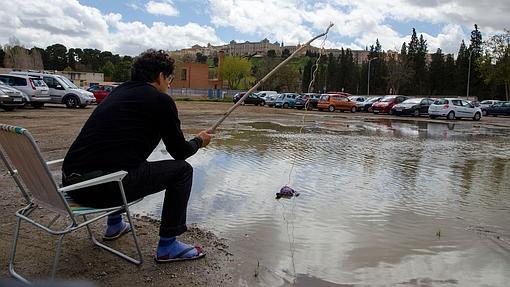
<point x="386" y="103"/>
<point x="101" y="91"/>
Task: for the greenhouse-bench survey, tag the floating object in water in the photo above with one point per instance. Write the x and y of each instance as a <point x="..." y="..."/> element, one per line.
<point x="286" y="192"/>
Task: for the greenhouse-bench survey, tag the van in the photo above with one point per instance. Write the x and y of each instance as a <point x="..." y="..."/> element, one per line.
<point x="63" y="90"/>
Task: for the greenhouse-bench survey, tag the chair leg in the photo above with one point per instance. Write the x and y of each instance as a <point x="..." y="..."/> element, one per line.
<point x="114" y="251"/>
<point x="13" y="254"/>
<point x="57" y="256"/>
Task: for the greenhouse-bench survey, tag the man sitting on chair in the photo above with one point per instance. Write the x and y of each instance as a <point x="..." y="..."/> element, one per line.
<point x="119" y="135"/>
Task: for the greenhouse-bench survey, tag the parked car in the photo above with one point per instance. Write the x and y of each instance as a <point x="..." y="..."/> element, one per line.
<point x="35" y="91"/>
<point x="485" y="104"/>
<point x="286" y="100"/>
<point x="332" y="102"/>
<point x="357" y="98"/>
<point x="265" y="94"/>
<point x="308" y="100"/>
<point x="313" y="100"/>
<point x="250" y="100"/>
<point x="101" y="91"/>
<point x="488" y="103"/>
<point x="414" y="107"/>
<point x="499" y="109"/>
<point x="10" y="98"/>
<point x="386" y="103"/>
<point x="271" y="99"/>
<point x="62" y="90"/>
<point x="453" y="108"/>
<point x="367" y="103"/>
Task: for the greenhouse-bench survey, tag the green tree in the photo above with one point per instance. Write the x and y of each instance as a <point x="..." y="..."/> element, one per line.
<point x="122" y="71"/>
<point x="108" y="69"/>
<point x="307" y="75"/>
<point x="400" y="73"/>
<point x="2" y="56"/>
<point x="437" y="73"/>
<point x="477" y="85"/>
<point x="449" y="76"/>
<point x="285" y="53"/>
<point x="494" y="65"/>
<point x="461" y="69"/>
<point x="56" y="57"/>
<point x="234" y="69"/>
<point x="271" y="53"/>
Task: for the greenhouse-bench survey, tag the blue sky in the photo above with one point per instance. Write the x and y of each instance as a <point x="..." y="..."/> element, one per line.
<point x="129" y="27"/>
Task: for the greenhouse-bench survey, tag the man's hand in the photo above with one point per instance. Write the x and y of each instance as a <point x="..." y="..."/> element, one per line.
<point x="206" y="137"/>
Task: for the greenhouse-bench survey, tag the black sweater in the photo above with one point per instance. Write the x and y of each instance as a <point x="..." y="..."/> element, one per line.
<point x="124" y="130"/>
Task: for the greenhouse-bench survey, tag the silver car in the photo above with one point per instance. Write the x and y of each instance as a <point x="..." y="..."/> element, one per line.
<point x="454" y="108"/>
<point x="10" y="98"/>
<point x="35" y="91"/>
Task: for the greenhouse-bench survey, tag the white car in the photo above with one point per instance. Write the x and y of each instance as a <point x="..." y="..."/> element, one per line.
<point x="454" y="108"/>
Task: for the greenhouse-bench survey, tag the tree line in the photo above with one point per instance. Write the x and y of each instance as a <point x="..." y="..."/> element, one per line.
<point x="411" y="71"/>
<point x="58" y="58"/>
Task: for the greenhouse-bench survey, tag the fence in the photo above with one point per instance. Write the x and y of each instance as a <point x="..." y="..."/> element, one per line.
<point x="201" y="93"/>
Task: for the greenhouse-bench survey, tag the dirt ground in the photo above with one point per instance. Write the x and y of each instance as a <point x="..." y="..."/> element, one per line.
<point x="55" y="127"/>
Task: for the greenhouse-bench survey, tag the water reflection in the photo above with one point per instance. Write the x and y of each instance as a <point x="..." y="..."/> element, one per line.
<point x="382" y="203"/>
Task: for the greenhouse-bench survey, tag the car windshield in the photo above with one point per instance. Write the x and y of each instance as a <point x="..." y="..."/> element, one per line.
<point x="68" y="82"/>
<point x="412" y="101"/>
<point x="387" y="99"/>
<point x="280" y="97"/>
<point x="324" y="98"/>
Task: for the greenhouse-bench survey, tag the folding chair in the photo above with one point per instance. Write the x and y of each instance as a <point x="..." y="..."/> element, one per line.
<point x="26" y="165"/>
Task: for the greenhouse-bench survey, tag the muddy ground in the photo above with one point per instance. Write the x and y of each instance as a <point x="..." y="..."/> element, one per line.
<point x="55" y="127"/>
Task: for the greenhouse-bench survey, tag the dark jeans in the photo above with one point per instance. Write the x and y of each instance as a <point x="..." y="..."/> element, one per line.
<point x="175" y="176"/>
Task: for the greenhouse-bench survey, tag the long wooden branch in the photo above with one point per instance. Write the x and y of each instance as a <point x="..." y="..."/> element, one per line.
<point x="227" y="113"/>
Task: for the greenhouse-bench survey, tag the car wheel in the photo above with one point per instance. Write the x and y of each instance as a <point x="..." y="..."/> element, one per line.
<point x="391" y="112"/>
<point x="484" y="113"/>
<point x="286" y="106"/>
<point x="353" y="109"/>
<point x="451" y="115"/>
<point x="71" y="102"/>
<point x="37" y="105"/>
<point x="477" y="117"/>
<point x="370" y="110"/>
<point x="331" y="108"/>
<point x="262" y="103"/>
<point x="416" y="113"/>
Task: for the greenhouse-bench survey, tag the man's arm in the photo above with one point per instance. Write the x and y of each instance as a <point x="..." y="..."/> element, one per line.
<point x="171" y="133"/>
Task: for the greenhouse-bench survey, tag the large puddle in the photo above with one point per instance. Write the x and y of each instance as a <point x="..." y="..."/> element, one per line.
<point x="382" y="203"/>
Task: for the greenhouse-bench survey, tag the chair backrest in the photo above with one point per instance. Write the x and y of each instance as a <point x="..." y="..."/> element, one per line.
<point x="24" y="155"/>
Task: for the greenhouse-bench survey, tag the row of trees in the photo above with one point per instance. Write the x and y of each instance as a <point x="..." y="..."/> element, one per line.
<point x="415" y="72"/>
<point x="58" y="57"/>
<point x="412" y="71"/>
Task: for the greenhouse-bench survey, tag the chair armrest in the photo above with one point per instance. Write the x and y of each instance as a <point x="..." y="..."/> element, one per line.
<point x="116" y="176"/>
<point x="54" y="161"/>
<point x="15" y="171"/>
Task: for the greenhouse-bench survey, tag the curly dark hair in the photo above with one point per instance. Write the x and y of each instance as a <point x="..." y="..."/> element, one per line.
<point x="149" y="64"/>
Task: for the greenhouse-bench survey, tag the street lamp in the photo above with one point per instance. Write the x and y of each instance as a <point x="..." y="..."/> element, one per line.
<point x="368" y="84"/>
<point x="469" y="73"/>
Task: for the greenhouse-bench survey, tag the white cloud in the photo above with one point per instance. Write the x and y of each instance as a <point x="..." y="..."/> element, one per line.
<point x="34" y="24"/>
<point x="161" y="8"/>
<point x="358" y="23"/>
